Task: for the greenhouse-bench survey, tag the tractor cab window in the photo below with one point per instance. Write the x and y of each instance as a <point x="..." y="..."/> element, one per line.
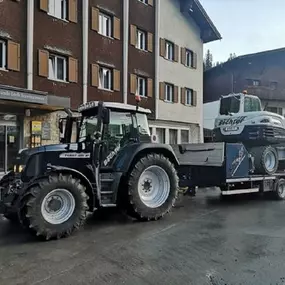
<point x="230" y="105"/>
<point x="252" y="104"/>
<point x="87" y="129"/>
<point x="143" y="124"/>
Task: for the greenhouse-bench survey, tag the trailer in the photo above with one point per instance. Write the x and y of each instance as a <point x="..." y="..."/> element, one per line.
<point x="228" y="166"/>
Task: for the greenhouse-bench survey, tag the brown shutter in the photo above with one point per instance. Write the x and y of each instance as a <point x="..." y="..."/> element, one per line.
<point x="133" y="87"/>
<point x="176" y="53"/>
<point x="183" y="56"/>
<point x="162" y="47"/>
<point x="95" y="75"/>
<point x="150" y="42"/>
<point x="72" y="70"/>
<point x="43" y="62"/>
<point x="162" y="91"/>
<point x="72" y="11"/>
<point x="194" y="65"/>
<point x="194" y="98"/>
<point x="150" y="2"/>
<point x="95" y="19"/>
<point x="13" y="59"/>
<point x="117" y="28"/>
<point x="133" y="36"/>
<point x="175" y="99"/>
<point x="149" y="87"/>
<point x="44" y="5"/>
<point x="116" y="80"/>
<point x="183" y="95"/>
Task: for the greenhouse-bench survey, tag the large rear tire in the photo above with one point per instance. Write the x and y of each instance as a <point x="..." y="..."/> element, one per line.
<point x="55" y="207"/>
<point x="279" y="189"/>
<point x="265" y="159"/>
<point x="152" y="187"/>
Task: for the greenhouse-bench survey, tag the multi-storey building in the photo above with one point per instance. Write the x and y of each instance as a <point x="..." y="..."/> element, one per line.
<point x="57" y="54"/>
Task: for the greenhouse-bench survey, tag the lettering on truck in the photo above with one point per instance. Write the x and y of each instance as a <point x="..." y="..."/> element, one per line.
<point x="230" y="121"/>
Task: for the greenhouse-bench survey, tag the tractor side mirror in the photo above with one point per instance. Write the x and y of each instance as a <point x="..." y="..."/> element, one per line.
<point x="60" y="125"/>
<point x="106" y="117"/>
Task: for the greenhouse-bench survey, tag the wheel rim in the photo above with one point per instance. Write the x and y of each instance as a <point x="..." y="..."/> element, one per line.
<point x="154" y="186"/>
<point x="281" y="190"/>
<point x="58" y="206"/>
<point x="270" y="161"/>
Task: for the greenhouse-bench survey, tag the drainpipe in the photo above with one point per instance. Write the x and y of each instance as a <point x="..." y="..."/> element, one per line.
<point x="157" y="43"/>
<point x="125" y="51"/>
<point x="30" y="43"/>
<point x="85" y="22"/>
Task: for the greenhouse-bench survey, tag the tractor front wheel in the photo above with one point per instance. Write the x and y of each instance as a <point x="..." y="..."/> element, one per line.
<point x="55" y="207"/>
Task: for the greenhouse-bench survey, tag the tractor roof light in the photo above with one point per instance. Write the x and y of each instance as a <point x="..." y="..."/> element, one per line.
<point x="244" y="92"/>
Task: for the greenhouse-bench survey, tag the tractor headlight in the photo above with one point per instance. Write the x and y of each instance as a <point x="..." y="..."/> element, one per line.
<point x="18" y="168"/>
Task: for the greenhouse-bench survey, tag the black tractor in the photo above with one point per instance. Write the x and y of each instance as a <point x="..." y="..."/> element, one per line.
<point x="112" y="162"/>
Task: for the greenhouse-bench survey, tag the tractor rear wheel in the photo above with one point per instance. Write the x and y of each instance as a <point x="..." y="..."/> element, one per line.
<point x="152" y="187"/>
<point x="55" y="207"/>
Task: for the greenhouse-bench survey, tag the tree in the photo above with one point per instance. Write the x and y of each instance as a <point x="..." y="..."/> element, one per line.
<point x="232" y="56"/>
<point x="208" y="61"/>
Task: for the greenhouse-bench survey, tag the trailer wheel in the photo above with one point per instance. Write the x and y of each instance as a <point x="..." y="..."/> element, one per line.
<point x="265" y="159"/>
<point x="152" y="187"/>
<point x="279" y="192"/>
<point x="55" y="207"/>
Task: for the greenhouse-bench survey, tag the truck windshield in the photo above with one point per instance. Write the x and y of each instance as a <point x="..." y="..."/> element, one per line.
<point x="87" y="128"/>
<point x="230" y="105"/>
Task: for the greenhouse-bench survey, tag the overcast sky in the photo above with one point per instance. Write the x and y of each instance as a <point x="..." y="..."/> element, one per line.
<point x="246" y="26"/>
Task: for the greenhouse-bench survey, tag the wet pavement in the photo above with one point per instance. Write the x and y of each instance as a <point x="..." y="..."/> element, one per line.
<point x="205" y="240"/>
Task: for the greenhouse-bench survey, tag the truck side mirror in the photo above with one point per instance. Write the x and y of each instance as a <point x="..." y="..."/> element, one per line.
<point x="106" y="116"/>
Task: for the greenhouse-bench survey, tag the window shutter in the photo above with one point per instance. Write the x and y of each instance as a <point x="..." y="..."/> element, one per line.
<point x="162" y="48"/>
<point x="116" y="80"/>
<point x="13" y="59"/>
<point x="183" y="56"/>
<point x="162" y="91"/>
<point x="44" y="5"/>
<point x="149" y="87"/>
<point x="117" y="28"/>
<point x="150" y="42"/>
<point x="176" y="53"/>
<point x="133" y="35"/>
<point x="43" y="62"/>
<point x="194" y="98"/>
<point x="175" y="99"/>
<point x="95" y="19"/>
<point x="183" y="95"/>
<point x="72" y="70"/>
<point x="150" y="2"/>
<point x="133" y="88"/>
<point x="95" y="75"/>
<point x="194" y="60"/>
<point x="72" y="11"/>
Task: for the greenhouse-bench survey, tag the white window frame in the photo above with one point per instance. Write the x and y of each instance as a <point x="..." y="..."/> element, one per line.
<point x="169" y="50"/>
<point x="189" y="58"/>
<point x="144" y="1"/>
<point x="189" y="97"/>
<point x="102" y="80"/>
<point x="169" y="97"/>
<point x="54" y="75"/>
<point x="103" y="29"/>
<point x="55" y="5"/>
<point x="4" y="54"/>
<point x="254" y="81"/>
<point x="144" y="93"/>
<point x="141" y="44"/>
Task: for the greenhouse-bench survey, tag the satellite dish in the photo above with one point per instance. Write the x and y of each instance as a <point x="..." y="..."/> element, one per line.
<point x="154" y="139"/>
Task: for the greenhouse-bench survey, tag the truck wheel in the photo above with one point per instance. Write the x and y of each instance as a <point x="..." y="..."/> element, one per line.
<point x="55" y="207"/>
<point x="152" y="187"/>
<point x="265" y="159"/>
<point x="279" y="192"/>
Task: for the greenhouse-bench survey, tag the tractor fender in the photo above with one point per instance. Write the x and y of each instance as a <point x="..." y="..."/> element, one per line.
<point x="131" y="153"/>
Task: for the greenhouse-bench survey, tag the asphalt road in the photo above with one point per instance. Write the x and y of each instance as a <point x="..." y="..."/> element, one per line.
<point x="204" y="241"/>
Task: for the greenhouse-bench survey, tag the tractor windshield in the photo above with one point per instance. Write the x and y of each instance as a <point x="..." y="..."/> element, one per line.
<point x="252" y="104"/>
<point x="87" y="128"/>
<point x="230" y="105"/>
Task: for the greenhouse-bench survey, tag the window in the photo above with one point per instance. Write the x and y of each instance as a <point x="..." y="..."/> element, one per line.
<point x="184" y="136"/>
<point x="230" y="105"/>
<point x="252" y="104"/>
<point x="105" y="25"/>
<point x="105" y="78"/>
<point x="255" y="82"/>
<point x="58" y="8"/>
<point x="169" y="50"/>
<point x="143" y="1"/>
<point x="273" y="85"/>
<point x="143" y="124"/>
<point x="160" y="133"/>
<point x="141" y="40"/>
<point x="57" y="68"/>
<point x="189" y="58"/>
<point x="169" y="90"/>
<point x="189" y="97"/>
<point x="276" y="110"/>
<point x="2" y="54"/>
<point x="172" y="136"/>
<point x="141" y="86"/>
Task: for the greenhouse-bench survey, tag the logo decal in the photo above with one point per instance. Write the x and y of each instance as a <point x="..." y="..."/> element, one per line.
<point x="111" y="155"/>
<point x="75" y="155"/>
<point x="230" y="121"/>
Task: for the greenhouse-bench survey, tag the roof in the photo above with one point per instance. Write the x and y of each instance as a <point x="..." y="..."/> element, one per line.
<point x="195" y="10"/>
<point x="113" y="106"/>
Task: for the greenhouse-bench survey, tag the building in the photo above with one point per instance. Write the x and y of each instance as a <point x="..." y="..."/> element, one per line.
<point x="57" y="54"/>
<point x="261" y="74"/>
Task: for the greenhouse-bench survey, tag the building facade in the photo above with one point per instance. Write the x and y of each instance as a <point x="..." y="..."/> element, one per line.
<point x="57" y="54"/>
